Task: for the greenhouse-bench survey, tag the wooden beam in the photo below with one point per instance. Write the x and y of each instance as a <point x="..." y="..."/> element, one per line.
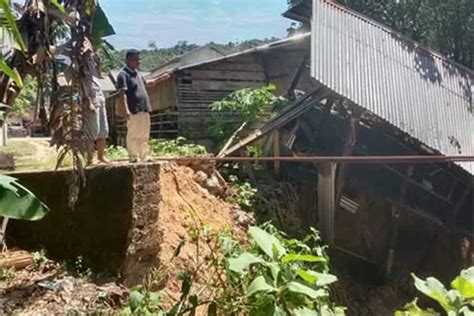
<point x="417" y="184"/>
<point x="296" y="78"/>
<point x="276" y="151"/>
<point x="264" y="62"/>
<point x="393" y="241"/>
<point x="348" y="150"/>
<point x="399" y="142"/>
<point x="395" y="221"/>
<point x="232" y="138"/>
<point x="453" y="188"/>
<point x="452" y="221"/>
<point x="326" y="201"/>
<point x="17" y="259"/>
<point x="3" y="228"/>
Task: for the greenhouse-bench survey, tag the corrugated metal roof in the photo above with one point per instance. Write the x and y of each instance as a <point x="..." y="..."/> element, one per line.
<point x="414" y="88"/>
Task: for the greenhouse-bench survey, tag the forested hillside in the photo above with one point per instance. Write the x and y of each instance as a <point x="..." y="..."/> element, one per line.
<point x="153" y="56"/>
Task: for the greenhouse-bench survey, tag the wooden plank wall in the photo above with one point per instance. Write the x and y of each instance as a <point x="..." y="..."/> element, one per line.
<point x="199" y="87"/>
<point x="164" y="123"/>
<point x="112" y="118"/>
<point x="281" y="69"/>
<point x="163" y="96"/>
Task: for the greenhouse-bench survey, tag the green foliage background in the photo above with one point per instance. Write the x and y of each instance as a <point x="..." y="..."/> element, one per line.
<point x="154" y="56"/>
<point x="27" y="97"/>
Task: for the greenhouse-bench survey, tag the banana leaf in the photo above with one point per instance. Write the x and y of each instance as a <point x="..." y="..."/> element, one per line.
<point x="17" y="202"/>
<point x="101" y="26"/>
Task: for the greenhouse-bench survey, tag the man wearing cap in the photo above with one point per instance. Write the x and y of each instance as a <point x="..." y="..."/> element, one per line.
<point x="137" y="107"/>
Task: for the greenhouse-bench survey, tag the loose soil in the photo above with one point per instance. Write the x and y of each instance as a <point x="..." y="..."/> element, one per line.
<point x="185" y="206"/>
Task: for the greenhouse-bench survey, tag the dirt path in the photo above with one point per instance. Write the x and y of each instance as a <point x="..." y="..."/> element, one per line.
<point x="42" y="152"/>
<point x="32" y="153"/>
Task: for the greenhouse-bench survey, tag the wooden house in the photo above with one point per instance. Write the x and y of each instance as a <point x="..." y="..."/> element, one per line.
<point x="189" y="85"/>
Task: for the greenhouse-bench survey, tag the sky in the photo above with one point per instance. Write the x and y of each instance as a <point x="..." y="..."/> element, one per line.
<point x="137" y="22"/>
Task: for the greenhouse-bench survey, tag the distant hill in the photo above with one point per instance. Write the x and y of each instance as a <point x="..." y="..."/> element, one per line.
<point x="153" y="56"/>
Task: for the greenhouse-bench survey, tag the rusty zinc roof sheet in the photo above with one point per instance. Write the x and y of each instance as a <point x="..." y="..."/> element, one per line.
<point x="412" y="87"/>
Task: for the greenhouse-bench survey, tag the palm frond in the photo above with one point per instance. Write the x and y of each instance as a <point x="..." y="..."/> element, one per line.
<point x="107" y="49"/>
<point x="58" y="5"/>
<point x="9" y="23"/>
<point x="12" y="73"/>
<point x="101" y="26"/>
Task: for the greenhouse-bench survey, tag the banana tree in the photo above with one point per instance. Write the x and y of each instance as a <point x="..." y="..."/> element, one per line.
<point x="42" y="31"/>
<point x="17" y="202"/>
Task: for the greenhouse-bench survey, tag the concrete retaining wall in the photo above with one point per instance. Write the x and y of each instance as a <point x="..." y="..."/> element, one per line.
<point x="114" y="225"/>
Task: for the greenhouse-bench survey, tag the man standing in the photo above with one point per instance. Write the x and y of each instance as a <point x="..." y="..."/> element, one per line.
<point x="136" y="106"/>
<point x="97" y="128"/>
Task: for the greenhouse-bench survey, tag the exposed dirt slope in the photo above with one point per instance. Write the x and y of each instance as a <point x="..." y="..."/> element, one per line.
<point x="186" y="205"/>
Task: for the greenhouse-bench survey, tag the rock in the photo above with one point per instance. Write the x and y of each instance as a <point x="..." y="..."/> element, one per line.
<point x="213" y="186"/>
<point x="243" y="218"/>
<point x="7" y="162"/>
<point x="200" y="177"/>
<point x="213" y="183"/>
<point x="113" y="294"/>
<point x="67" y="284"/>
<point x="207" y="167"/>
<point x="222" y="181"/>
<point x="50" y="285"/>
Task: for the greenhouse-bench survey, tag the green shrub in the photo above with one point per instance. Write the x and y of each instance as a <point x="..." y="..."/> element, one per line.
<point x="116" y="153"/>
<point x="272" y="275"/>
<point x="278" y="276"/>
<point x="241" y="193"/>
<point x="177" y="147"/>
<point x="160" y="147"/>
<point x="459" y="300"/>
<point x="248" y="104"/>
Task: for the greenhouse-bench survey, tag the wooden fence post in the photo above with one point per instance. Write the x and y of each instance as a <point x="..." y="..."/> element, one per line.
<point x="276" y="151"/>
<point x="327" y="200"/>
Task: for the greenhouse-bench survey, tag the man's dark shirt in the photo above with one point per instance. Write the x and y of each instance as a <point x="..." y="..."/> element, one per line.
<point x="133" y="84"/>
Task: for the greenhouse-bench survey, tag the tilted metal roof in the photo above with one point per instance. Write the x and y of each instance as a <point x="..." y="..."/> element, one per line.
<point x="412" y="87"/>
<point x="289" y="42"/>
